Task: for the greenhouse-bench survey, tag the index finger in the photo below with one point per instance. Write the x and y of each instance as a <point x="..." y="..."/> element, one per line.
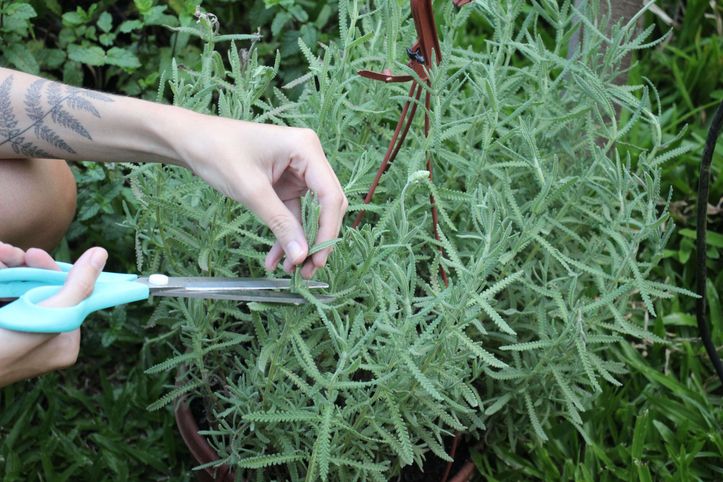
<point x="322" y="180"/>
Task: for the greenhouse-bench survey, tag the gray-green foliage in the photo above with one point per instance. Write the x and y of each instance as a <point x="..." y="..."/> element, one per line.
<point x="549" y="238"/>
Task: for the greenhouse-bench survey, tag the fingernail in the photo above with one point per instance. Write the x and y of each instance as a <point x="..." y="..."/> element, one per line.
<point x="98" y="258"/>
<point x="288" y="267"/>
<point x="324" y="256"/>
<point x="294" y="250"/>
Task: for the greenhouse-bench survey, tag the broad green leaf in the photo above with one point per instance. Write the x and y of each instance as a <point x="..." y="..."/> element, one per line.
<point x="20" y="11"/>
<point x="129" y="26"/>
<point x="105" y="22"/>
<point x="94" y="55"/>
<point x="21" y="57"/>
<point x="122" y="58"/>
<point x="74" y="19"/>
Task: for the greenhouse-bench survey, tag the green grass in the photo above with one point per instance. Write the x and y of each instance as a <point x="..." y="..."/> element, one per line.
<point x="90" y="422"/>
<point x="660" y="425"/>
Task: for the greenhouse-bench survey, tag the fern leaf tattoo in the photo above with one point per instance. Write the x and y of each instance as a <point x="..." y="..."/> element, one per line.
<point x="28" y="149"/>
<point x="79" y="103"/>
<point x="8" y="121"/>
<point x="54" y="93"/>
<point x="45" y="118"/>
<point x="74" y="91"/>
<point x="33" y="98"/>
<point x="65" y="119"/>
<point x="51" y="137"/>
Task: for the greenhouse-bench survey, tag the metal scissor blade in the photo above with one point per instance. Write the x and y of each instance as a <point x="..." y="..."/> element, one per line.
<point x="241" y="295"/>
<point x="202" y="284"/>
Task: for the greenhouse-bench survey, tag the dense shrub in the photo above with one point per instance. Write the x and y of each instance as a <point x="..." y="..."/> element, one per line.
<point x="548" y="234"/>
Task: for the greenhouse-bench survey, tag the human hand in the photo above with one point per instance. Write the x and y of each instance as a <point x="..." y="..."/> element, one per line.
<point x="265" y="167"/>
<point x="269" y="168"/>
<point x="27" y="355"/>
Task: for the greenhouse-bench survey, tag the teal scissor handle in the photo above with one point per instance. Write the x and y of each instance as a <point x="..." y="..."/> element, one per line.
<point x="32" y="286"/>
<point x="14" y="282"/>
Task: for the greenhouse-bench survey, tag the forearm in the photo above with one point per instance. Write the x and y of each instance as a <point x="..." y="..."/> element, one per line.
<point x="268" y="168"/>
<point x="41" y="118"/>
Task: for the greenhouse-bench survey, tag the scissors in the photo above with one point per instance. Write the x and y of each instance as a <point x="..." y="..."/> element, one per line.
<point x="31" y="286"/>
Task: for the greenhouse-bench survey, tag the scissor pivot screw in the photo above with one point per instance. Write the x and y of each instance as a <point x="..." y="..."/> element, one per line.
<point x="158" y="279"/>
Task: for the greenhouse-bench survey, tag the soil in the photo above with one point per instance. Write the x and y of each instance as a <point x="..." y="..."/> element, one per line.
<point x="434" y="467"/>
<point x="198" y="409"/>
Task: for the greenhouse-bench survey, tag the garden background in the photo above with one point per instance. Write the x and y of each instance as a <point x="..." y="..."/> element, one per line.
<point x="91" y="422"/>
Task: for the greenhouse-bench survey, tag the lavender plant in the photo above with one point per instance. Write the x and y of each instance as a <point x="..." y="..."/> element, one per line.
<point x="548" y="234"/>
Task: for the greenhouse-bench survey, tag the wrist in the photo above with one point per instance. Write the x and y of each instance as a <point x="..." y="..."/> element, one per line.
<point x="172" y="132"/>
<point x="199" y="141"/>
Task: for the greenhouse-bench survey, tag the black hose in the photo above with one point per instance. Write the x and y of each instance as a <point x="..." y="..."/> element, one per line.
<point x="701" y="272"/>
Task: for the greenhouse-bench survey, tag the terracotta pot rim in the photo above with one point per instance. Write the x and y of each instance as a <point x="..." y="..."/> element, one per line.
<point x="200" y="449"/>
<point x="203" y="453"/>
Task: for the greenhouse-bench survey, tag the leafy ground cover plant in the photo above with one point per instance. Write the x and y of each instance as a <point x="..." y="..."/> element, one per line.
<point x="123" y="46"/>
<point x="548" y="234"/>
<point x="106" y="45"/>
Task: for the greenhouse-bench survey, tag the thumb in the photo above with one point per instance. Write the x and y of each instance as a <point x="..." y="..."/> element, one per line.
<point x="81" y="280"/>
<point x="282" y="222"/>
